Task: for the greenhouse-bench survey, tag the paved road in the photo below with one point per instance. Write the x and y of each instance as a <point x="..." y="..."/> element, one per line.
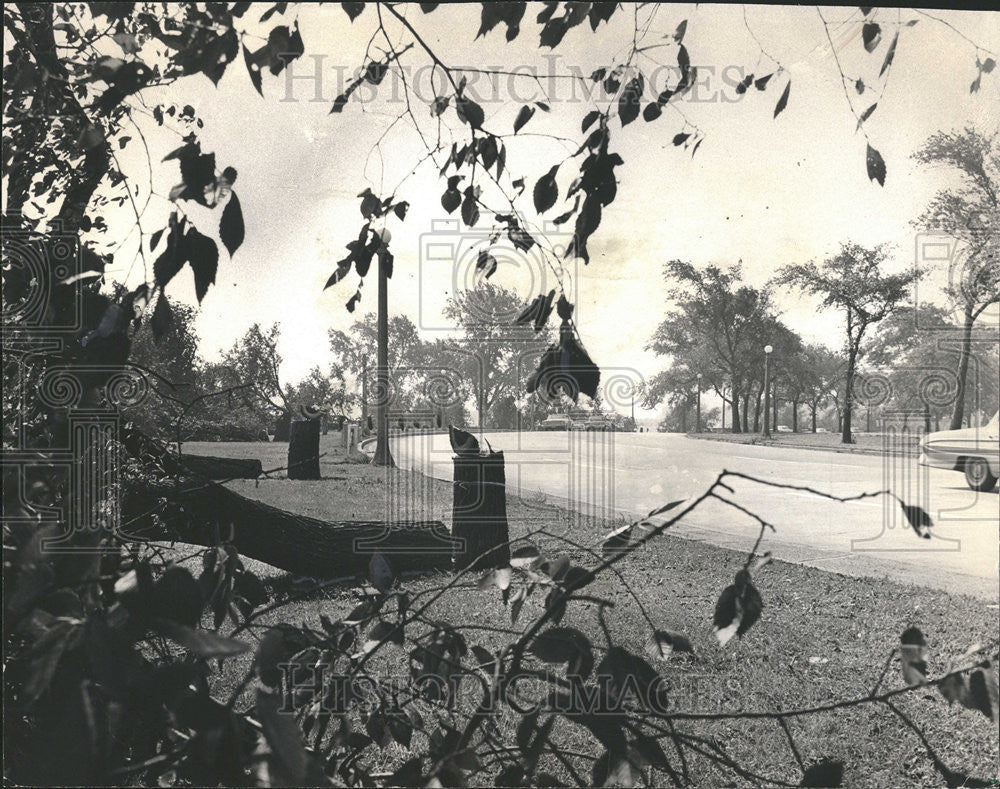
<point x="636" y="472"/>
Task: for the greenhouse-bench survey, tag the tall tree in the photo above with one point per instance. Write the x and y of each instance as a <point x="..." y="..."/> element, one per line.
<point x="254" y="360"/>
<point x="970" y="214"/>
<point x="495" y="356"/>
<point x="355" y="352"/>
<point x="718" y="327"/>
<point x="854" y="282"/>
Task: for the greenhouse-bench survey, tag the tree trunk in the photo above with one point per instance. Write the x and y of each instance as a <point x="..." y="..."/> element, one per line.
<point x="217" y="468"/>
<point x="814" y="416"/>
<point x="963" y="371"/>
<point x="845" y="435"/>
<point x="795" y="416"/>
<point x="756" y="410"/>
<point x="199" y="511"/>
<point x="736" y="412"/>
<point x="303" y="450"/>
<point x="746" y="410"/>
<point x="282" y="427"/>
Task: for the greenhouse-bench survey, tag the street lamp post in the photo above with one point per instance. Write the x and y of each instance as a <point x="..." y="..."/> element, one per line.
<point x="767" y="392"/>
<point x="697" y="424"/>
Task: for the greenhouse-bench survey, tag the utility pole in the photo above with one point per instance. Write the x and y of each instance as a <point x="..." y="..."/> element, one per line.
<point x="364" y="395"/>
<point x="383" y="455"/>
<point x="767" y="391"/>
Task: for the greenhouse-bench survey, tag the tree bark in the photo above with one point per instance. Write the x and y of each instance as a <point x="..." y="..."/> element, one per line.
<point x="217" y="468"/>
<point x="845" y="435"/>
<point x="814" y="416"/>
<point x="736" y="411"/>
<point x="199" y="511"/>
<point x="479" y="512"/>
<point x="195" y="510"/>
<point x="303" y="450"/>
<point x="958" y="414"/>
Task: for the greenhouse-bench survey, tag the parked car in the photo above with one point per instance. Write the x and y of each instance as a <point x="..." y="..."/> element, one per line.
<point x="556" y="422"/>
<point x="975" y="451"/>
<point x="783" y="429"/>
<point x="822" y="430"/>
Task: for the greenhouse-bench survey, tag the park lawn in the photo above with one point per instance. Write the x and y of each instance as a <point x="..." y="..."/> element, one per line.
<point x="822" y="637"/>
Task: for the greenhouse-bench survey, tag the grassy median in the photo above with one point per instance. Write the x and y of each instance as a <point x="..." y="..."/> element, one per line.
<point x="822" y="637"/>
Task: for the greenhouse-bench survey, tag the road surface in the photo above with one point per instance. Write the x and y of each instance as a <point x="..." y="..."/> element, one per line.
<point x="632" y="473"/>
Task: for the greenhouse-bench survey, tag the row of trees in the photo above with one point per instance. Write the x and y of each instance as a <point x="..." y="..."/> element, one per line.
<point x="898" y="357"/>
<point x="918" y="355"/>
<point x="481" y="370"/>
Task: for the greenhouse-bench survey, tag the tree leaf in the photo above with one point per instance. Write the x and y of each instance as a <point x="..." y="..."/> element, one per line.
<point x="871" y="34"/>
<point x="679" y="139"/>
<point x="523" y="116"/>
<point x="867" y="114"/>
<point x="291" y="763"/>
<point x="824" y="773"/>
<point x="628" y="103"/>
<point x="203" y="643"/>
<point x="469" y="112"/>
<point x="913" y="656"/>
<point x="663" y="643"/>
<point x="353" y="10"/>
<point x="470" y="208"/>
<point x="565" y="645"/>
<point x="380" y="573"/>
<point x="589" y="119"/>
<point x="450" y="200"/>
<point x="652" y="112"/>
<point x="918" y="519"/>
<point x="680" y="31"/>
<point x="783" y="101"/>
<point x="546" y="191"/>
<point x="889" y="55"/>
<point x="876" y="171"/>
<point x="160" y="320"/>
<point x="761" y="83"/>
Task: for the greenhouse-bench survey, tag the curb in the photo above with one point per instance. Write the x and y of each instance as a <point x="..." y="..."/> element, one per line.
<point x="841" y="449"/>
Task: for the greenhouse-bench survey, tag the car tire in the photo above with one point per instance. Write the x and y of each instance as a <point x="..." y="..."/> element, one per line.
<point x="978" y="475"/>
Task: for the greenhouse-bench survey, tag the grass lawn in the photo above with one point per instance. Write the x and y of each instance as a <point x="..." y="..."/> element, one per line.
<point x="822" y="637"/>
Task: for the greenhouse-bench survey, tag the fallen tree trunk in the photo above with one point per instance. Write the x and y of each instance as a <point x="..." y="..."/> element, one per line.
<point x="198" y="511"/>
<point x="212" y="467"/>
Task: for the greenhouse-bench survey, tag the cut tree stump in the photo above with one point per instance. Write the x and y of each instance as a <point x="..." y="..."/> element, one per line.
<point x="479" y="512"/>
<point x="212" y="467"/>
<point x="303" y="450"/>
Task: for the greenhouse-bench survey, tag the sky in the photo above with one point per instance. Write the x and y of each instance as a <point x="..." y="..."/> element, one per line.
<point x="762" y="190"/>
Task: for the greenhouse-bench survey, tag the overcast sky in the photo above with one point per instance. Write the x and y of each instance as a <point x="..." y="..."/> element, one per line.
<point x="762" y="190"/>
